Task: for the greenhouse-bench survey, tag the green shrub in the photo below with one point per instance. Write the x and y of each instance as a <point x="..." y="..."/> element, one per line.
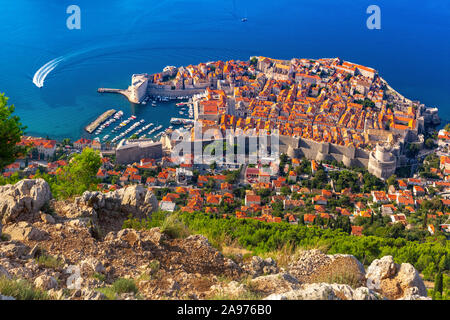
<point x="261" y="237"/>
<point x="123" y="285"/>
<point x="108" y="292"/>
<point x="21" y="290"/>
<point x="48" y="261"/>
<point x="99" y="276"/>
<point x="169" y="224"/>
<point x="173" y="227"/>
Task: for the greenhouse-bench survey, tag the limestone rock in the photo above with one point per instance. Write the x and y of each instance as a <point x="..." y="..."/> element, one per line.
<point x="2" y="297"/>
<point x="232" y="289"/>
<point x="14" y="249"/>
<point x="393" y="280"/>
<point x="154" y="235"/>
<point x="92" y="295"/>
<point x="325" y="291"/>
<point x="47" y="218"/>
<point x="378" y="270"/>
<point x="364" y="293"/>
<point x="413" y="294"/>
<point x="45" y="282"/>
<point x="24" y="231"/>
<point x="23" y="199"/>
<point x="135" y="200"/>
<point x="74" y="210"/>
<point x="93" y="264"/>
<point x="409" y="278"/>
<point x="4" y="273"/>
<point x="258" y="266"/>
<point x="313" y="266"/>
<point x="307" y="263"/>
<point x="275" y="283"/>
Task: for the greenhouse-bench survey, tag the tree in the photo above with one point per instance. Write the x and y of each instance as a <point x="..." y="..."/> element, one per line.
<point x="285" y="190"/>
<point x="392" y="181"/>
<point x="412" y="150"/>
<point x="66" y="141"/>
<point x="79" y="175"/>
<point x="429" y="143"/>
<point x="438" y="284"/>
<point x="11" y="131"/>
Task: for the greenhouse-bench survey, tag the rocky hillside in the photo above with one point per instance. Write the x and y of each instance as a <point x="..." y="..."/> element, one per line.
<point x="77" y="250"/>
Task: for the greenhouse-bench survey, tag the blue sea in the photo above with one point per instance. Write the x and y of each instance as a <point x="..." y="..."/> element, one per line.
<point x="119" y="38"/>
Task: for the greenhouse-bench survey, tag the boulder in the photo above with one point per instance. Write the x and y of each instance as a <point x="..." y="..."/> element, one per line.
<point x="313" y="266"/>
<point x="307" y="263"/>
<point x="378" y="270"/>
<point x="92" y="295"/>
<point x="93" y="264"/>
<point x="73" y="210"/>
<point x="14" y="249"/>
<point x="131" y="236"/>
<point x="154" y="235"/>
<point x="135" y="200"/>
<point x="274" y="283"/>
<point x="47" y="218"/>
<point x="326" y="291"/>
<point x="24" y="231"/>
<point x="4" y="273"/>
<point x="395" y="281"/>
<point x="409" y="278"/>
<point x="232" y="289"/>
<point x="45" y="282"/>
<point x="23" y="200"/>
<point x="258" y="266"/>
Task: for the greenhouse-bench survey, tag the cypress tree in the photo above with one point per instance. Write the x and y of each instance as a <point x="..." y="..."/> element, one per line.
<point x="438" y="283"/>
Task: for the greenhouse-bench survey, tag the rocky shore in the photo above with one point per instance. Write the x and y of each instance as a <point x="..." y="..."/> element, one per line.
<point x="78" y="250"/>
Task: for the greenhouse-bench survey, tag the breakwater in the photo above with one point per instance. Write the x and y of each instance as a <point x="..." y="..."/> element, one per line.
<point x="94" y="124"/>
<point x="125" y="93"/>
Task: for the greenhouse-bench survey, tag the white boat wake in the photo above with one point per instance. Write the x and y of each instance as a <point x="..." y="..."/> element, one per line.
<point x="42" y="73"/>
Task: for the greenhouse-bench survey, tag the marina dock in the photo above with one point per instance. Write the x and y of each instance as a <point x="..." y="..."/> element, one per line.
<point x="181" y="121"/>
<point x="94" y="124"/>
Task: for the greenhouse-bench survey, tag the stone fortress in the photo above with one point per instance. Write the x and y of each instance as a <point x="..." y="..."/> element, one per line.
<point x="130" y="151"/>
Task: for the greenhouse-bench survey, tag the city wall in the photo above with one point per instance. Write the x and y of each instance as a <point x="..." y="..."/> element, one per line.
<point x="299" y="147"/>
<point x="296" y="147"/>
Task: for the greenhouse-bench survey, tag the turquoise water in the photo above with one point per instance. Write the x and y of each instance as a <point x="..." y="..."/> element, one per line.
<point x="119" y="38"/>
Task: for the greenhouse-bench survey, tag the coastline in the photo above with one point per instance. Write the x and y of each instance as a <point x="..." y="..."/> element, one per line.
<point x="395" y="91"/>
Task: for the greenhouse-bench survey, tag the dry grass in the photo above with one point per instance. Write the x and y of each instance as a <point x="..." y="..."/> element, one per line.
<point x="339" y="271"/>
<point x="235" y="253"/>
<point x="284" y="255"/>
<point x="343" y="277"/>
